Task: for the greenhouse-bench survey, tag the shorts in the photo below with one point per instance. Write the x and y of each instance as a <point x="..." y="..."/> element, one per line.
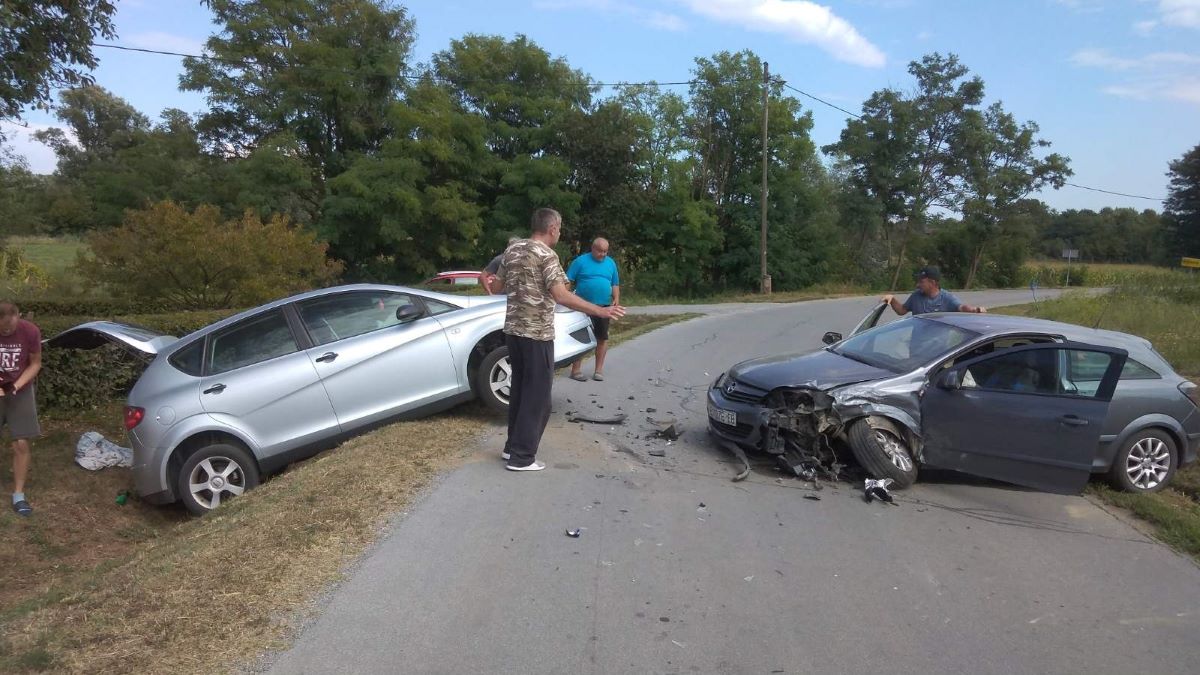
<point x="19" y="412"/>
<point x="600" y="327"/>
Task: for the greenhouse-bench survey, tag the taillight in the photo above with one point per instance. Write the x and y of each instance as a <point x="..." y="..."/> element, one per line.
<point x="133" y="416"/>
<point x="1191" y="391"/>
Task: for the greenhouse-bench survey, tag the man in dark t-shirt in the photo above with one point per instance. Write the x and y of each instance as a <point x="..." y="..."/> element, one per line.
<point x="20" y="363"/>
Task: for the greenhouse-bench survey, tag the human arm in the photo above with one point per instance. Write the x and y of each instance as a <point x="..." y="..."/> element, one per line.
<point x="31" y="372"/>
<point x="616" y="295"/>
<point x="566" y="298"/>
<point x="616" y="284"/>
<point x="898" y="307"/>
<point x="960" y="306"/>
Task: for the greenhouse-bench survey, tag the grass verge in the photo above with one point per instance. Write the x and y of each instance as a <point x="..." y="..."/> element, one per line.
<point x="633" y="325"/>
<point x="1168" y="316"/>
<point x="52" y="255"/>
<point x="90" y="586"/>
<point x="820" y="292"/>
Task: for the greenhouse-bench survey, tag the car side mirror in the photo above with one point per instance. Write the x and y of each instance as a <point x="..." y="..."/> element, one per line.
<point x="831" y="338"/>
<point x="408" y="313"/>
<point x="951" y="379"/>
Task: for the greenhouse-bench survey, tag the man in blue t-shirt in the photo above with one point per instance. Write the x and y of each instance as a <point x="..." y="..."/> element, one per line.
<point x="929" y="297"/>
<point x="596" y="280"/>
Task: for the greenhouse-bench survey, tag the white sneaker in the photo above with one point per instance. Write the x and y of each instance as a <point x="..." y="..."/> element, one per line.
<point x="505" y="456"/>
<point x="536" y="466"/>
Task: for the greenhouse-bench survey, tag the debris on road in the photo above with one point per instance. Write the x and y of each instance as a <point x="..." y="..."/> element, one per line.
<point x="597" y="419"/>
<point x="658" y="453"/>
<point x="877" y="489"/>
<point x="815" y="498"/>
<point x="670" y="432"/>
<point x="574" y="534"/>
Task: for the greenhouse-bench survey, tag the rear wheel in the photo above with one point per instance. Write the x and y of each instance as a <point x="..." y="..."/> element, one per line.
<point x="882" y="453"/>
<point x="215" y="474"/>
<point x="493" y="380"/>
<point x="1145" y="463"/>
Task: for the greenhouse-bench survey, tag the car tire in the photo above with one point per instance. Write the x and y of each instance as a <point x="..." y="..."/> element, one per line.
<point x="876" y="448"/>
<point x="493" y="378"/>
<point x="1138" y="467"/>
<point x="225" y="470"/>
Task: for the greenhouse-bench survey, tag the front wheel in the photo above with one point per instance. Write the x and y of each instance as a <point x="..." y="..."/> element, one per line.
<point x="882" y="453"/>
<point x="1145" y="463"/>
<point x="215" y="474"/>
<point x="493" y="380"/>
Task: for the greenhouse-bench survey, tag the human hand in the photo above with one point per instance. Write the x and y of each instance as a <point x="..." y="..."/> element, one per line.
<point x="613" y="312"/>
<point x="887" y="299"/>
<point x="983" y="310"/>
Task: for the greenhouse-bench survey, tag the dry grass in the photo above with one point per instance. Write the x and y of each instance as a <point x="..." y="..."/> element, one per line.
<point x="633" y="325"/>
<point x="90" y="586"/>
<point x="819" y="292"/>
<point x="197" y="592"/>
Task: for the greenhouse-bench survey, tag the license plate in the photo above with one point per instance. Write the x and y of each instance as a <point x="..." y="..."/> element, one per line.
<point x="727" y="417"/>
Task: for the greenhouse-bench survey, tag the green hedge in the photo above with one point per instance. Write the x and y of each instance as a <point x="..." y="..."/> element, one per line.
<point x="40" y="308"/>
<point x="81" y="379"/>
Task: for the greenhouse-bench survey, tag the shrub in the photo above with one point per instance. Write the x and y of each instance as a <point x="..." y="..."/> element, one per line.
<point x="193" y="260"/>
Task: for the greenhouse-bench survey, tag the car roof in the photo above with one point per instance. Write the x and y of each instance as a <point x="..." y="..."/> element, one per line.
<point x="1001" y="324"/>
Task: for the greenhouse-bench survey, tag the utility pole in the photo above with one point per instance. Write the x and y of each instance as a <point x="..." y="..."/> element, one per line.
<point x="762" y="242"/>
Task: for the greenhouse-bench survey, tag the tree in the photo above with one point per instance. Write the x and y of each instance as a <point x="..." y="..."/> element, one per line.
<point x="905" y="151"/>
<point x="194" y="260"/>
<point x="725" y="130"/>
<point x="412" y="207"/>
<point x="47" y="45"/>
<point x="526" y="98"/>
<point x="1182" y="208"/>
<point x="1001" y="168"/>
<point x="322" y="72"/>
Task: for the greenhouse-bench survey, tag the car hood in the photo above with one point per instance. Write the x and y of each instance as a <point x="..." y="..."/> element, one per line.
<point x="816" y="370"/>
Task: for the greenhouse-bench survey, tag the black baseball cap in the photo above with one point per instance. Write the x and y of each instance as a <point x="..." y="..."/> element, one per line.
<point x="930" y="272"/>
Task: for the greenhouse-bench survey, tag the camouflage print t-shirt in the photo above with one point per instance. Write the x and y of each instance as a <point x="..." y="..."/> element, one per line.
<point x="530" y="269"/>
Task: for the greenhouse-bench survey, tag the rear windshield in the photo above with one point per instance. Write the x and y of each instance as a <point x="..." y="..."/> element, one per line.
<point x="905" y="345"/>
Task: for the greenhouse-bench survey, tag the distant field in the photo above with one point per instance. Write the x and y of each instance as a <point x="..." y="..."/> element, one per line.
<point x="52" y="255"/>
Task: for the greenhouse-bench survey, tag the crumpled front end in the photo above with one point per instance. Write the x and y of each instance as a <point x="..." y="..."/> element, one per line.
<point x="801" y="427"/>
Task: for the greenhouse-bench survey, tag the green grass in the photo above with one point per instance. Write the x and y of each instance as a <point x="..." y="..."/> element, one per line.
<point x="52" y="255"/>
<point x="634" y="325"/>
<point x="818" y="292"/>
<point x="1167" y="314"/>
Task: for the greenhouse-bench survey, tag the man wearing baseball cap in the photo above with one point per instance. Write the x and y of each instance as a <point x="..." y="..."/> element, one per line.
<point x="929" y="297"/>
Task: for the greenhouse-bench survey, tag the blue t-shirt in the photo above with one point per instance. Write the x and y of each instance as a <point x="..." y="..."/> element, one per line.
<point x="594" y="280"/>
<point x="944" y="301"/>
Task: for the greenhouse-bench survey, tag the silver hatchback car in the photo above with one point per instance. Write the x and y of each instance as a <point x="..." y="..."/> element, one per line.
<point x="248" y="395"/>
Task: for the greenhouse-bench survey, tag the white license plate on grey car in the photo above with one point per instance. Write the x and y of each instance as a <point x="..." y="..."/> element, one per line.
<point x="727" y="417"/>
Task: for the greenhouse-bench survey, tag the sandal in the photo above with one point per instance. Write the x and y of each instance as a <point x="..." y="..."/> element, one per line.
<point x="578" y="377"/>
<point x="599" y="377"/>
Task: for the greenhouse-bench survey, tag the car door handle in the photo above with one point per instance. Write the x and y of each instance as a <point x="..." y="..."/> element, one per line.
<point x="1073" y="421"/>
<point x="327" y="357"/>
<point x="215" y="389"/>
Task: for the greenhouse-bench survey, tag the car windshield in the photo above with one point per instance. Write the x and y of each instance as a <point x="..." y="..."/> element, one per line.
<point x="905" y="345"/>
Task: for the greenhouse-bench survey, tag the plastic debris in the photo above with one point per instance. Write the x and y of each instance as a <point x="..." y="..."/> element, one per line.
<point x="94" y="452"/>
<point x="574" y="534"/>
<point x="877" y="489"/>
<point x="658" y="453"/>
<point x="670" y="432"/>
<point x="597" y="419"/>
<point x="815" y="498"/>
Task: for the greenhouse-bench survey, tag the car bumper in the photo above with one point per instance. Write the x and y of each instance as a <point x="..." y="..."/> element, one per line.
<point x="148" y="471"/>
<point x="749" y="420"/>
<point x="575" y="341"/>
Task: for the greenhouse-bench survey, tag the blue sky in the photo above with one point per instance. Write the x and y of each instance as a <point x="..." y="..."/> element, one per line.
<point x="1114" y="84"/>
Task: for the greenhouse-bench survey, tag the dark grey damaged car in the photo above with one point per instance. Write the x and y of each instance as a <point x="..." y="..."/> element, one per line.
<point x="1025" y="401"/>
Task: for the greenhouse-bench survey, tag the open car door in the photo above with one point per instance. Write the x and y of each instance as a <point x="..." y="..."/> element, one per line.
<point x="870" y="320"/>
<point x="1028" y="415"/>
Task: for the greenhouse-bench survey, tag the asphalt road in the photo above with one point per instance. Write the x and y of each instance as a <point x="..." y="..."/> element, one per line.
<point x="680" y="570"/>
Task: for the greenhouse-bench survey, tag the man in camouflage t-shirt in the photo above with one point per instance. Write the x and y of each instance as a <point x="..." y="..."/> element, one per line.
<point x="533" y="279"/>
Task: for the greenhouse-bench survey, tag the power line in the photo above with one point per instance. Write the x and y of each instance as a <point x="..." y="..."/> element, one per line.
<point x="411" y="77"/>
<point x="405" y="76"/>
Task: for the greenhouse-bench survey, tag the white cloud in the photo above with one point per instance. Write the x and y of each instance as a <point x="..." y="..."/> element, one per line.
<point x="1084" y="6"/>
<point x="1100" y="58"/>
<point x="166" y="42"/>
<point x="650" y="17"/>
<point x="800" y="20"/>
<point x="1145" y="28"/>
<point x="925" y="35"/>
<point x="1157" y="76"/>
<point x="1182" y="13"/>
